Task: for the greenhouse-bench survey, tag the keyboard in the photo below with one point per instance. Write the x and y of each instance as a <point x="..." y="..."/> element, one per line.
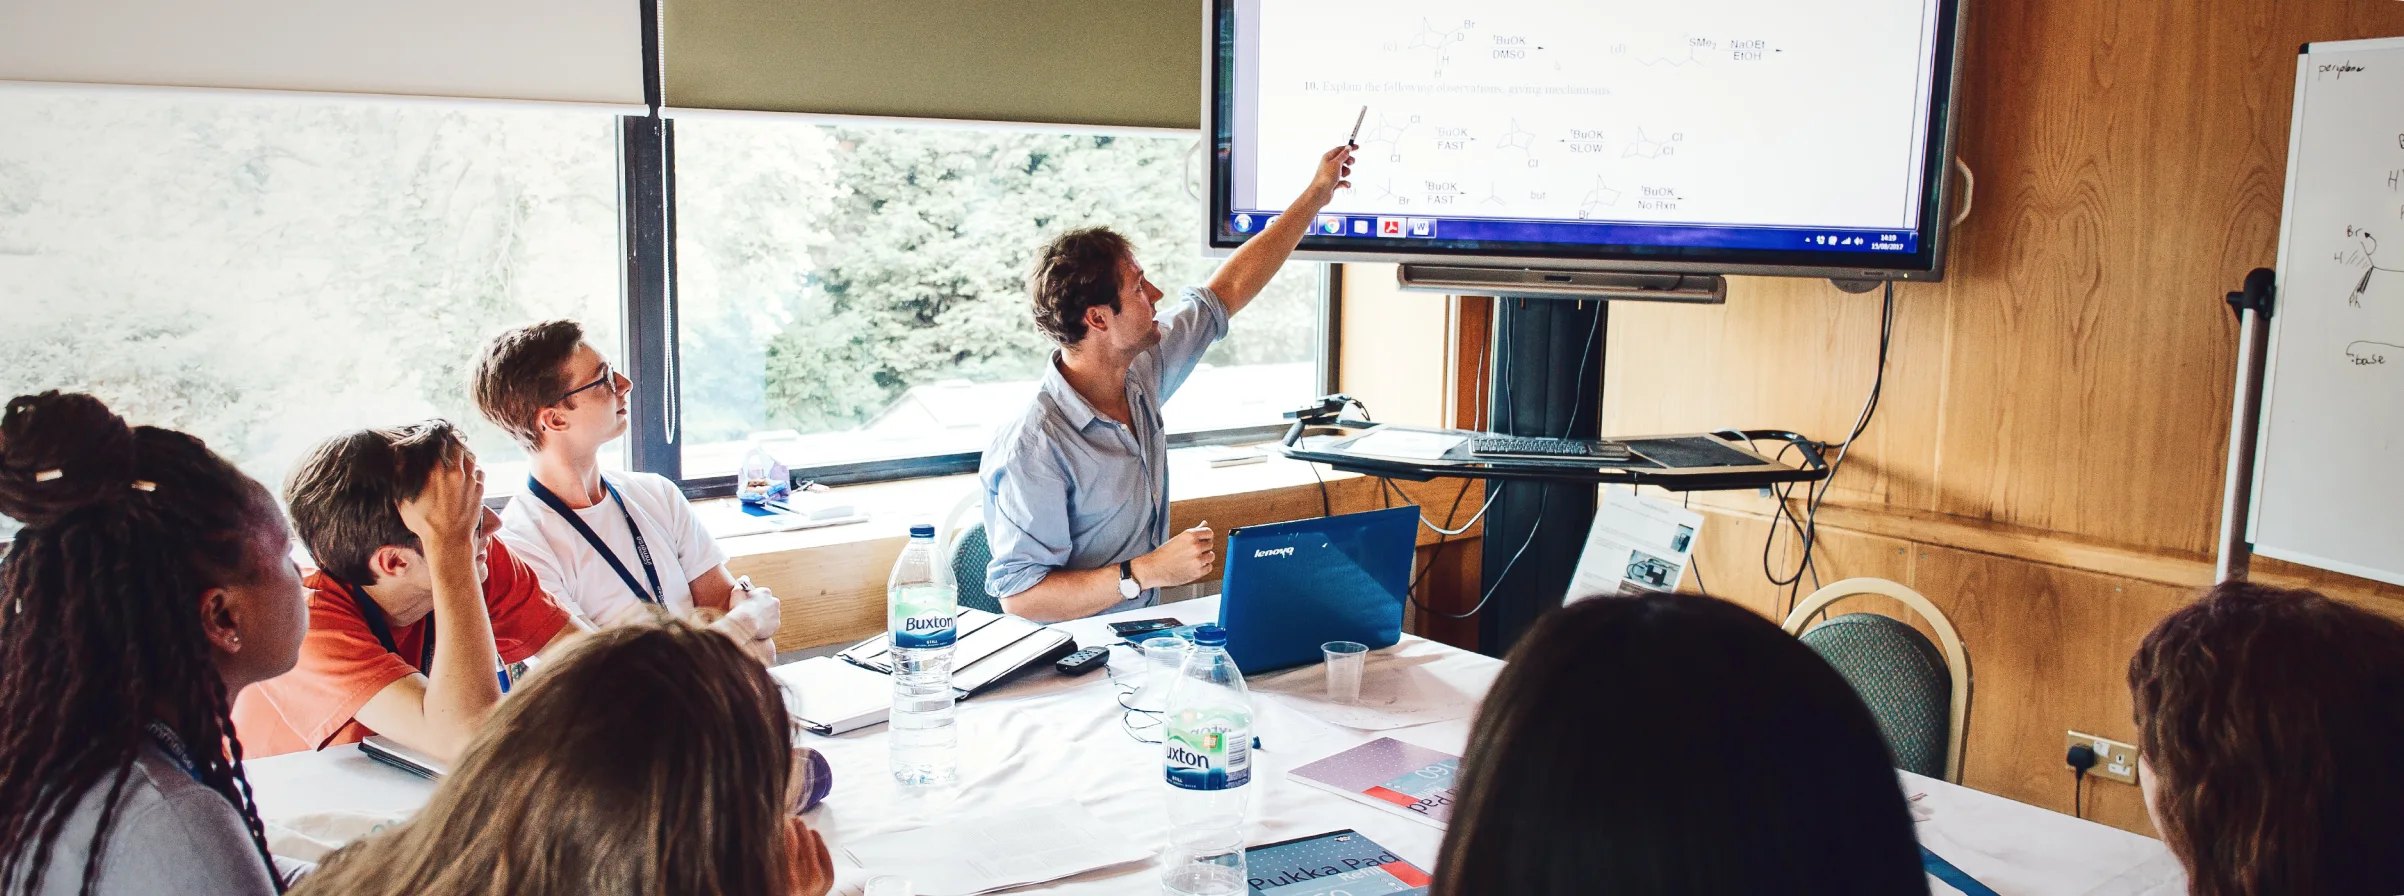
<point x="1547" y="449"/>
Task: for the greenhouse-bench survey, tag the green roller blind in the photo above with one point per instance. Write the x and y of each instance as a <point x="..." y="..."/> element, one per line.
<point x="1116" y="63"/>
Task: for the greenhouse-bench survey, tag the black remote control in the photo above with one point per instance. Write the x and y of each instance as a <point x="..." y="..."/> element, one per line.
<point x="1083" y="661"/>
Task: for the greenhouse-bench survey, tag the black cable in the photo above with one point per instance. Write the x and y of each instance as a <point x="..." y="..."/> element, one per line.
<point x="1814" y="494"/>
<point x="2080" y="758"/>
<point x="1326" y="508"/>
<point x="1686" y="502"/>
<point x="1412" y="593"/>
<point x="1577" y="406"/>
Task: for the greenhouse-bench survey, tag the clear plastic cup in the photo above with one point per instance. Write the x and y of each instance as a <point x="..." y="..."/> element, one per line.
<point x="1164" y="656"/>
<point x="1345" y="660"/>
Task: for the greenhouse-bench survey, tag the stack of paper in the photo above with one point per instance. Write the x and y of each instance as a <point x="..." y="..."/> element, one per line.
<point x="997" y="850"/>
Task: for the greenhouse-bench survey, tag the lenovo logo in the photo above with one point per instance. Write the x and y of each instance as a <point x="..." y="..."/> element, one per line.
<point x="1274" y="552"/>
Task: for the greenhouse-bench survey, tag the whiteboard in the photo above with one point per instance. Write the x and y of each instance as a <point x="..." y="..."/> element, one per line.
<point x="2329" y="477"/>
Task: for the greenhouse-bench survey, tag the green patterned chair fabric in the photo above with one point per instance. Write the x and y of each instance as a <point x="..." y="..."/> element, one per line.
<point x="1901" y="675"/>
<point x="970" y="555"/>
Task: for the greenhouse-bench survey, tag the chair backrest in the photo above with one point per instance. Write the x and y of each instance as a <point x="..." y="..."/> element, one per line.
<point x="1918" y="691"/>
<point x="968" y="553"/>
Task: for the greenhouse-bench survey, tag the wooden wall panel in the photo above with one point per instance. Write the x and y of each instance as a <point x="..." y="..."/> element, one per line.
<point x="1393" y="347"/>
<point x="2046" y="462"/>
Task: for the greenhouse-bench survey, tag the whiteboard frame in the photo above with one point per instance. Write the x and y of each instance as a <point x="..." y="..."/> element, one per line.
<point x="2270" y="373"/>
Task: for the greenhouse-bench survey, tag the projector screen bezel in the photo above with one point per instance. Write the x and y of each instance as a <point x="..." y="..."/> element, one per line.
<point x="1927" y="264"/>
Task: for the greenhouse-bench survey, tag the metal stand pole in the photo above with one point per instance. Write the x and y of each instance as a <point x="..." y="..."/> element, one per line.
<point x="1548" y="363"/>
<point x="2253" y="307"/>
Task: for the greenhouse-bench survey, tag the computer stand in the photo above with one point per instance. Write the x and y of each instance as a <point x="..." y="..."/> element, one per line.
<point x="1548" y="382"/>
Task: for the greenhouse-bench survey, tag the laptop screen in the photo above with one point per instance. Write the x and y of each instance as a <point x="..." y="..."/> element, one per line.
<point x="1293" y="586"/>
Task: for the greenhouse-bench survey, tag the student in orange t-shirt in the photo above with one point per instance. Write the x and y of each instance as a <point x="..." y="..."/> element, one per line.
<point x="414" y="606"/>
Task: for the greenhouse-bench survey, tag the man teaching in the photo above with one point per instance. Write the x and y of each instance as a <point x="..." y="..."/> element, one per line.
<point x="1077" y="486"/>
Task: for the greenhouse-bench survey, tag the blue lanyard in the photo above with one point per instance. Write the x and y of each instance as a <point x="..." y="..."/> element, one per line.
<point x="642" y="551"/>
<point x="1953" y="877"/>
<point x="374" y="615"/>
<point x="173" y="746"/>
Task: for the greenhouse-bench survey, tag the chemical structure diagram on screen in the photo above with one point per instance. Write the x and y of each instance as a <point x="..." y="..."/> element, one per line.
<point x="1389" y="135"/>
<point x="1645" y="147"/>
<point x="1597" y="199"/>
<point x="1690" y="51"/>
<point x="1436" y="40"/>
<point x="1383" y="191"/>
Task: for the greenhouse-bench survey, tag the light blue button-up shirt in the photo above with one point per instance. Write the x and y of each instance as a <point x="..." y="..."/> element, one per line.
<point x="1068" y="488"/>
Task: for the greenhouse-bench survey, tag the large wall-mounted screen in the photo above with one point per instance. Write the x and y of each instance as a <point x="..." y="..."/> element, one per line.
<point x="1806" y="137"/>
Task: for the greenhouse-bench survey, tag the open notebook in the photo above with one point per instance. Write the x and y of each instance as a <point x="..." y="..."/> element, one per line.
<point x="853" y="688"/>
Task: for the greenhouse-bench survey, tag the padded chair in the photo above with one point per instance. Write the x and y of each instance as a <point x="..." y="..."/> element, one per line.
<point x="967" y="552"/>
<point x="1918" y="691"/>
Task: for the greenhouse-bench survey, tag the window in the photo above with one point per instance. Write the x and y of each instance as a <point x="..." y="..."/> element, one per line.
<point x="264" y="272"/>
<point x="853" y="294"/>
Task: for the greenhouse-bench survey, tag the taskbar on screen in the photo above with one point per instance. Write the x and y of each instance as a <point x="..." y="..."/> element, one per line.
<point x="1600" y="233"/>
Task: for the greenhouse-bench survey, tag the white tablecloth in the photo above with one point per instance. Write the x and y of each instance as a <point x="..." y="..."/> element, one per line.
<point x="1047" y="736"/>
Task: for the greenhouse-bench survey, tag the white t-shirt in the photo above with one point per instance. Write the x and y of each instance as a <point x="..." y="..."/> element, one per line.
<point x="582" y="580"/>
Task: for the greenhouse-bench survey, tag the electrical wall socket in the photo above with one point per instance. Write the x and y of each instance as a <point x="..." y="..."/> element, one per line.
<point x="2113" y="760"/>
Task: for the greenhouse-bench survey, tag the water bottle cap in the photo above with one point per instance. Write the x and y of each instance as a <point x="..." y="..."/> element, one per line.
<point x="922" y="530"/>
<point x="1210" y="636"/>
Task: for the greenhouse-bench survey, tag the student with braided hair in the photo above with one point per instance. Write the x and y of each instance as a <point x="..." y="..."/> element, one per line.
<point x="151" y="584"/>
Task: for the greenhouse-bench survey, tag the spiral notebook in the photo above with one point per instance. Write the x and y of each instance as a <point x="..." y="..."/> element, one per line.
<point x="1337" y="863"/>
<point x="1405" y="779"/>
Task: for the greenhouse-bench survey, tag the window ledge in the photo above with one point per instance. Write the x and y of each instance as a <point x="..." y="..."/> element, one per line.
<point x="832" y="579"/>
<point x="891" y="507"/>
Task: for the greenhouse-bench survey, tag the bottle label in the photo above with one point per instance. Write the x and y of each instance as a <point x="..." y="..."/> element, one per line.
<point x="922" y="616"/>
<point x="1209" y="749"/>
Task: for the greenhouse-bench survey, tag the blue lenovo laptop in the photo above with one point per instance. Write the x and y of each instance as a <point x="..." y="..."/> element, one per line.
<point x="1290" y="587"/>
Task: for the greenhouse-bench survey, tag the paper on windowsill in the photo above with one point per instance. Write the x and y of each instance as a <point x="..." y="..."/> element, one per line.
<point x="997" y="850"/>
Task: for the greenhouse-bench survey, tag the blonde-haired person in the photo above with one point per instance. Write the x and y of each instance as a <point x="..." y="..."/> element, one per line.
<point x="649" y="759"/>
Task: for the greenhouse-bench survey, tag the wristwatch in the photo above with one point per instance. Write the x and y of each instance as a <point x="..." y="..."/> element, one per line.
<point x="1127" y="587"/>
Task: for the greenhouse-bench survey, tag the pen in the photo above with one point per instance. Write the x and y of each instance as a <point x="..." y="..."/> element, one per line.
<point x="1355" y="139"/>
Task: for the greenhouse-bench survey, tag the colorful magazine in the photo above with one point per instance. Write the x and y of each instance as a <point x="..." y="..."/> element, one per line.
<point x="1407" y="779"/>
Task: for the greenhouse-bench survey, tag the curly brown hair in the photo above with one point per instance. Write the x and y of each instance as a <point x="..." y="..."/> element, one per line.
<point x="1078" y="270"/>
<point x="2272" y="723"/>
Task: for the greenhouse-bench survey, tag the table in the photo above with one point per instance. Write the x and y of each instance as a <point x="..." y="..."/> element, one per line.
<point x="1047" y="736"/>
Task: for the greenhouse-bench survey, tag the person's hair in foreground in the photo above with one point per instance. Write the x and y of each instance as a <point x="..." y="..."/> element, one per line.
<point x="2271" y="724"/>
<point x="1674" y="744"/>
<point x="144" y="559"/>
<point x="650" y="759"/>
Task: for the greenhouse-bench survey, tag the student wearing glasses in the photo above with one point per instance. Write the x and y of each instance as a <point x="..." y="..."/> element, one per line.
<point x="615" y="546"/>
<point x="413" y="608"/>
